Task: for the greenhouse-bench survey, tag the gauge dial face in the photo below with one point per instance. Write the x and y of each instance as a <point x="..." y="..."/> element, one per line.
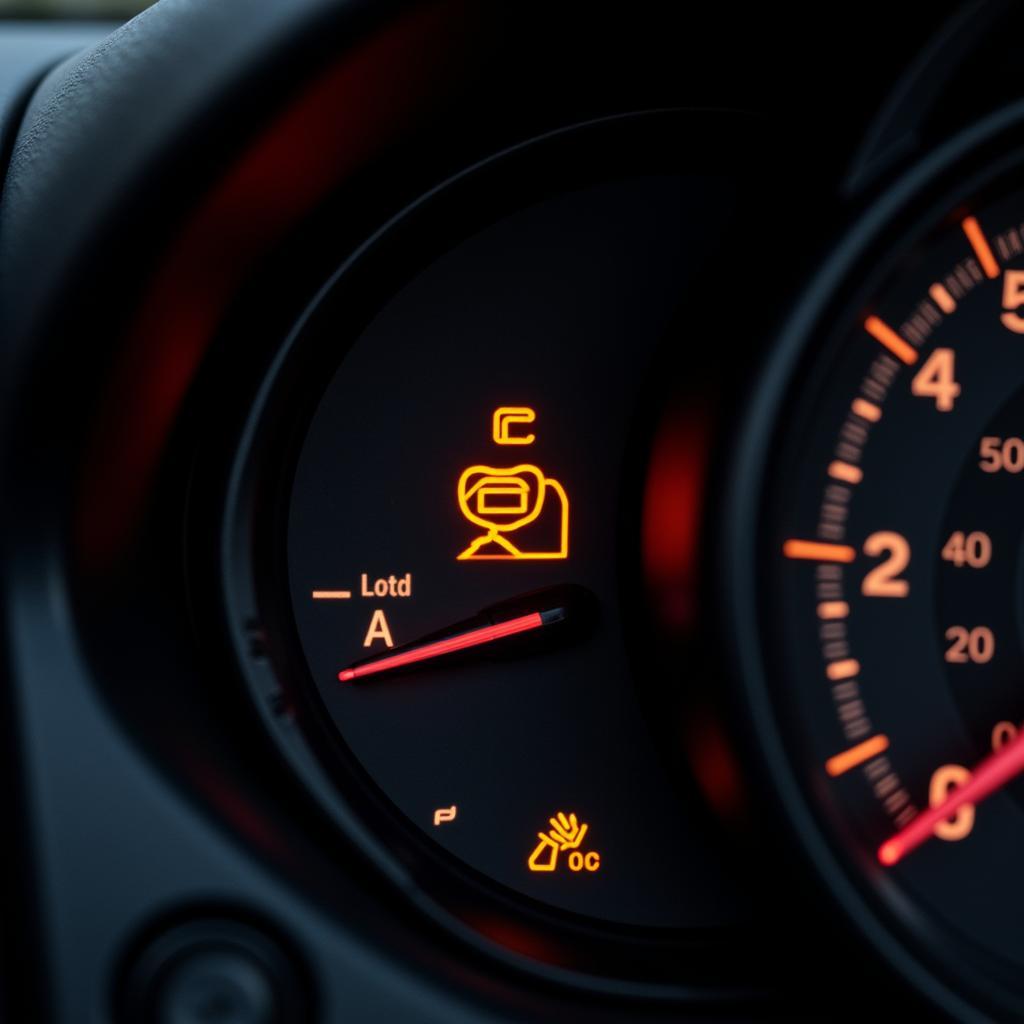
<point x="461" y="539"/>
<point x="891" y="582"/>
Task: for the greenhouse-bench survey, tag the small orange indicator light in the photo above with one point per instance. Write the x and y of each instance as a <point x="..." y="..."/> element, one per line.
<point x="885" y="335"/>
<point x="566" y="835"/>
<point x="845" y="669"/>
<point x="845" y="471"/>
<point x="331" y="595"/>
<point x="857" y="755"/>
<point x="817" y="551"/>
<point x="505" y="417"/>
<point x="504" y="500"/>
<point x="445" y="814"/>
<point x="941" y="297"/>
<point x="866" y="410"/>
<point x="979" y="243"/>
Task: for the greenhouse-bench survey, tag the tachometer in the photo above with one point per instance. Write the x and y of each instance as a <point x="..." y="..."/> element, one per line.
<point x="876" y="558"/>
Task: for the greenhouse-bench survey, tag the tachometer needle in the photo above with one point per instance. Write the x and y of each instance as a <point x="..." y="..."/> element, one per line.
<point x="987" y="778"/>
<point x="462" y="638"/>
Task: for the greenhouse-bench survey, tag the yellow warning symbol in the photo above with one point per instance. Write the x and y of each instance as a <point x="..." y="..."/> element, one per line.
<point x="504" y="419"/>
<point x="566" y="835"/>
<point x="504" y="499"/>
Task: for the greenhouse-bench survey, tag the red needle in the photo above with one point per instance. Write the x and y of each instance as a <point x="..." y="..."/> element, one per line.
<point x="987" y="778"/>
<point x="451" y="644"/>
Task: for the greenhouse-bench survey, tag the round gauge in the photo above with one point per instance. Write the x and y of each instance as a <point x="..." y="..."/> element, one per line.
<point x="447" y="480"/>
<point x="876" y="566"/>
<point x="453" y="561"/>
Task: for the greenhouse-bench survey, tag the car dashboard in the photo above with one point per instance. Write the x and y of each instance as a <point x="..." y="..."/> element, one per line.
<point x="509" y="513"/>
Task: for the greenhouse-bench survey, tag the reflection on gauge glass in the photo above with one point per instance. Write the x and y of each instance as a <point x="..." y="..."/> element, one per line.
<point x="891" y="580"/>
<point x="460" y="547"/>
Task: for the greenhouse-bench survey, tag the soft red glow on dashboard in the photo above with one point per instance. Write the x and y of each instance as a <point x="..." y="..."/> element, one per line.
<point x="671" y="515"/>
<point x="715" y="766"/>
<point x="342" y="120"/>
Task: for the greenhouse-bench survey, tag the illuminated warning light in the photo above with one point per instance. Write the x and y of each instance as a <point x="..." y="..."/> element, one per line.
<point x="506" y="417"/>
<point x="566" y="835"/>
<point x="503" y="500"/>
<point x="445" y="814"/>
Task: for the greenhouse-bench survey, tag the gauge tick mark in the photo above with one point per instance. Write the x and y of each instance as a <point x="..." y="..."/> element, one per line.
<point x="857" y="755"/>
<point x="817" y="551"/>
<point x="886" y="336"/>
<point x="979" y="243"/>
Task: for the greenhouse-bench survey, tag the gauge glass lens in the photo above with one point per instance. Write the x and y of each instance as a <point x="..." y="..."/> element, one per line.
<point x="892" y="579"/>
<point x="460" y="548"/>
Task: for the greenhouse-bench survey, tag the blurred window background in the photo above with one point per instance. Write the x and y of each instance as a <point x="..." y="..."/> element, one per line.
<point x="107" y="9"/>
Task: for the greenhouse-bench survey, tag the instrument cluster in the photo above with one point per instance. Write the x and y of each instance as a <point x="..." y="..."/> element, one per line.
<point x="497" y="542"/>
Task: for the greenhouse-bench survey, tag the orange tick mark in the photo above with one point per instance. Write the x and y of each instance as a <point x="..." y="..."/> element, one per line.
<point x="866" y="410"/>
<point x="845" y="669"/>
<point x="842" y="763"/>
<point x="845" y="471"/>
<point x="941" y="297"/>
<point x="817" y="551"/>
<point x="833" y="610"/>
<point x="331" y="595"/>
<point x="979" y="243"/>
<point x="885" y="335"/>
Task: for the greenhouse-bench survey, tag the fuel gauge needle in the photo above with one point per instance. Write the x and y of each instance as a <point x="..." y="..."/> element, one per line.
<point x="994" y="772"/>
<point x="556" y="606"/>
<point x="414" y="653"/>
